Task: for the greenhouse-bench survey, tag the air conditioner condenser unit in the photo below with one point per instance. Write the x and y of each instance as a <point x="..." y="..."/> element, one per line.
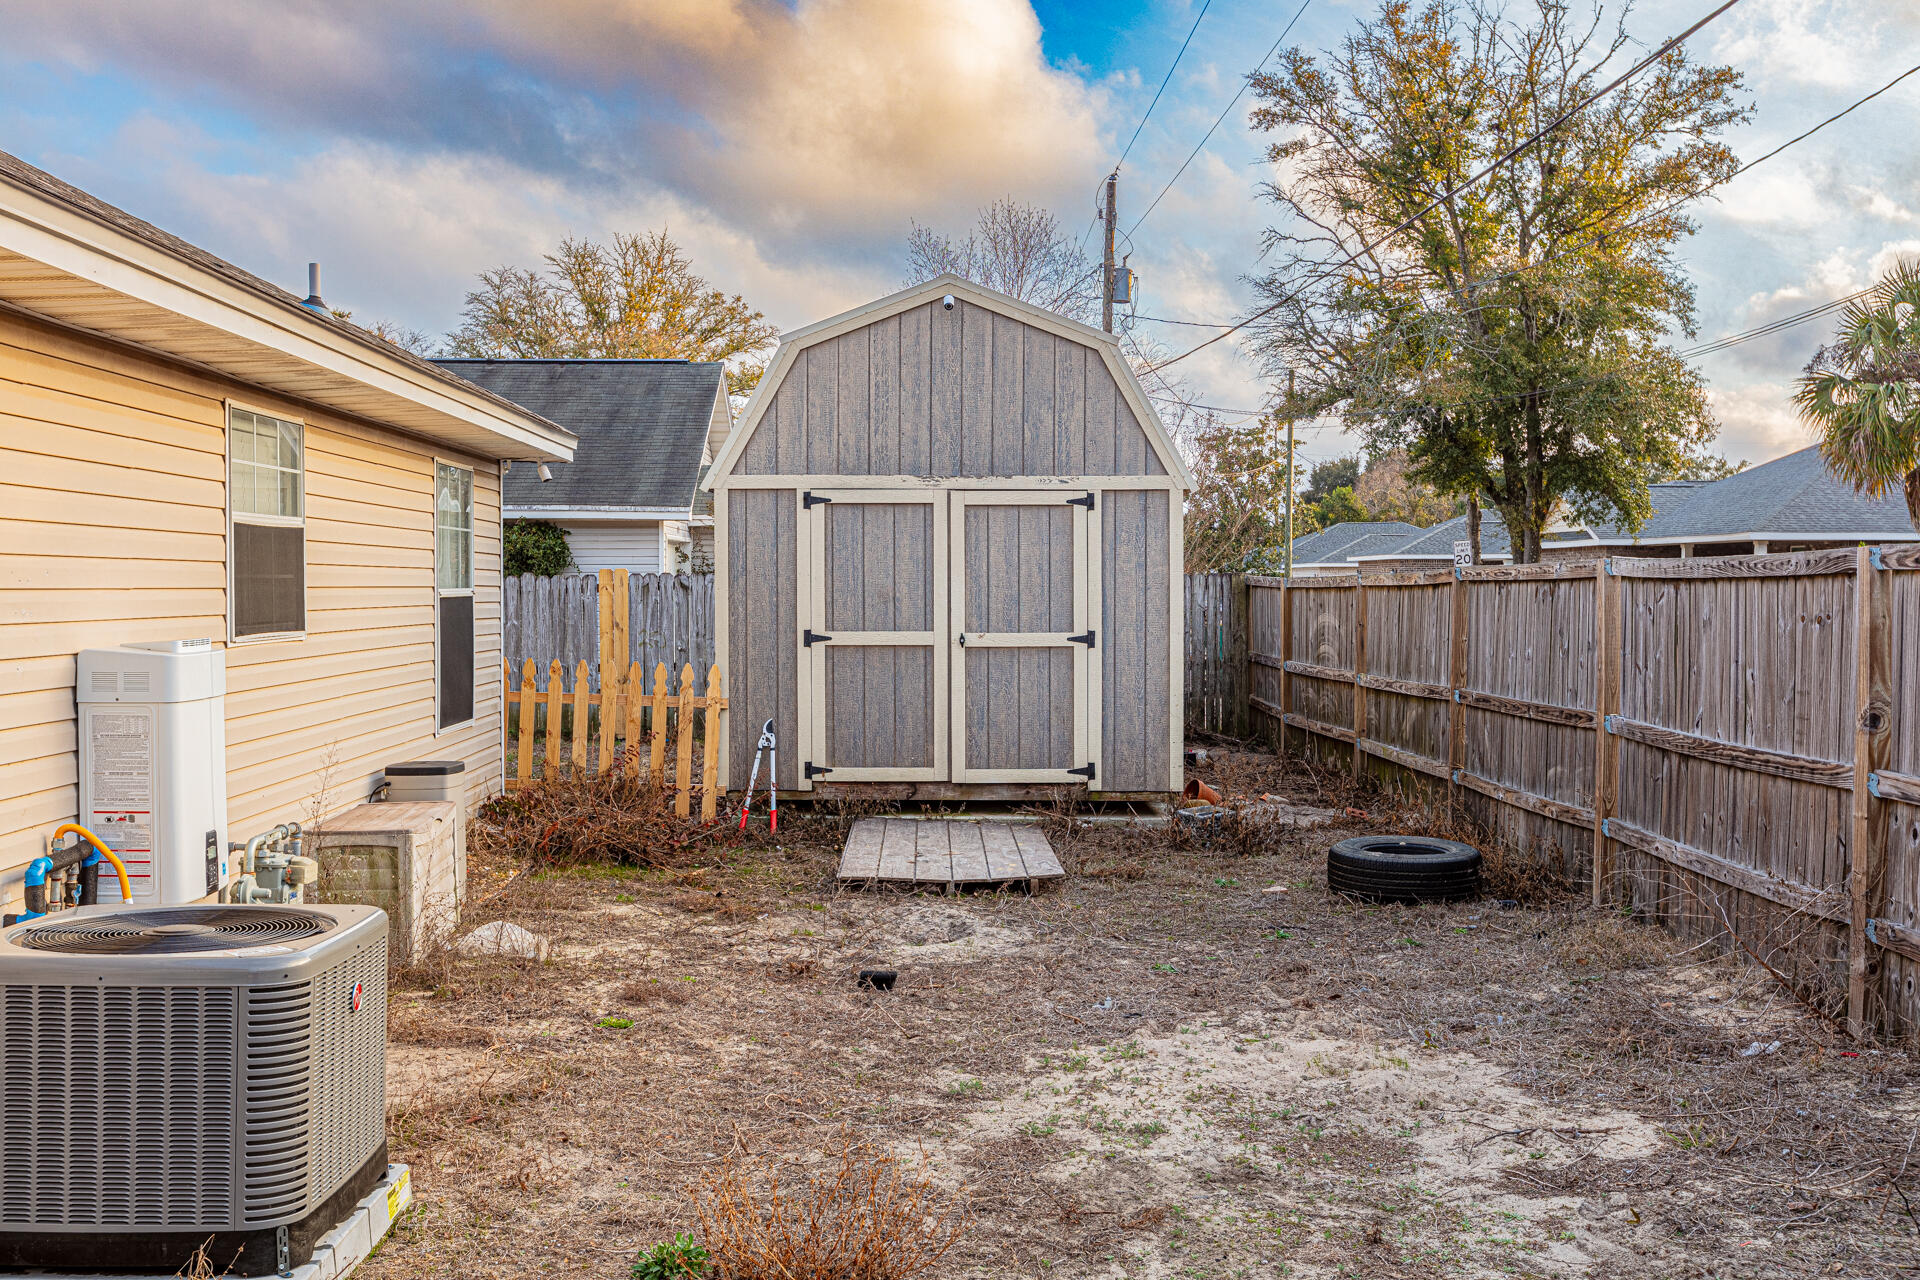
<point x="185" y="1076"/>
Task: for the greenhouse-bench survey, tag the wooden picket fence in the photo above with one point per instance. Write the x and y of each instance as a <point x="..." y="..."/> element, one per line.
<point x="584" y="731"/>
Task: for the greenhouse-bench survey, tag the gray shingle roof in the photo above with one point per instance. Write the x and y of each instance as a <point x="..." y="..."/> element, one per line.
<point x="1337" y="542"/>
<point x="1791" y="497"/>
<point x="1437" y="542"/>
<point x="642" y="425"/>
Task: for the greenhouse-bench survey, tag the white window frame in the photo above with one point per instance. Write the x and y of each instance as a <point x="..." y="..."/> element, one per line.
<point x="473" y="575"/>
<point x="229" y="408"/>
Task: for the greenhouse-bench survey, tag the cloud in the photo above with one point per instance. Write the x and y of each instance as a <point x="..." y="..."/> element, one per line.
<point x="829" y="118"/>
<point x="1757" y="421"/>
<point x="1836" y="45"/>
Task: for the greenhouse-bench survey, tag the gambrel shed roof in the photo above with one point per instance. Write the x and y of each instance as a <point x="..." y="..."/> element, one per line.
<point x="990" y="386"/>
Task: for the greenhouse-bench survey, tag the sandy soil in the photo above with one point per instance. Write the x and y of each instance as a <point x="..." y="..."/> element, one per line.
<point x="1165" y="1066"/>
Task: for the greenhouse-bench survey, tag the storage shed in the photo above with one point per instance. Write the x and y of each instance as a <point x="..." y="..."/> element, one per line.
<point x="948" y="550"/>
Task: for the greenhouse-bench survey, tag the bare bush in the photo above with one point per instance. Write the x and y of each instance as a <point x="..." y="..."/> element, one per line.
<point x="865" y="1216"/>
<point x="610" y="818"/>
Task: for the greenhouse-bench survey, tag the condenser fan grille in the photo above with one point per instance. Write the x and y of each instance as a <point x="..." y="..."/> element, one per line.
<point x="176" y="931"/>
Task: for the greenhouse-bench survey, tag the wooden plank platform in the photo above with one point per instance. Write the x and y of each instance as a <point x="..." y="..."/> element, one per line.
<point x="946" y="853"/>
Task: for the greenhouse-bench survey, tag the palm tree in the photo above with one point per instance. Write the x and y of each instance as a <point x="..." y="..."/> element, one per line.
<point x="1862" y="392"/>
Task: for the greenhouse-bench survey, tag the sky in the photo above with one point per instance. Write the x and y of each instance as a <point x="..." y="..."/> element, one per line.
<point x="791" y="144"/>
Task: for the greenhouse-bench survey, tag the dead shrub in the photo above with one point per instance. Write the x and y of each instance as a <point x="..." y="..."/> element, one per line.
<point x="606" y="818"/>
<point x="864" y="1215"/>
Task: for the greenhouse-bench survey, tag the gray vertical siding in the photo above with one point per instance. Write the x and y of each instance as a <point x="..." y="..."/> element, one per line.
<point x="879" y="577"/>
<point x="1136" y="587"/>
<point x="762" y="627"/>
<point x="1019" y="577"/>
<point x="932" y="392"/>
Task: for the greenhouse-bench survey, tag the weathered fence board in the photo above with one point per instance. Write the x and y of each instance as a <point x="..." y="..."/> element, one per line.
<point x="1729" y="746"/>
<point x="669" y="618"/>
<point x="1217" y="681"/>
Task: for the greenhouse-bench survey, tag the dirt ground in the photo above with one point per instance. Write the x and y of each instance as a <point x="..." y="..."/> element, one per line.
<point x="1180" y="1062"/>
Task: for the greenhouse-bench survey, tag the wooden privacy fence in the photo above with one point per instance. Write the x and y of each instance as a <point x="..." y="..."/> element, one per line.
<point x="648" y="618"/>
<point x="1729" y="745"/>
<point x="1216" y="653"/>
<point x="581" y="731"/>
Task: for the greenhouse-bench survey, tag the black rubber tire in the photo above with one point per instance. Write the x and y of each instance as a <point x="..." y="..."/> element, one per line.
<point x="1404" y="869"/>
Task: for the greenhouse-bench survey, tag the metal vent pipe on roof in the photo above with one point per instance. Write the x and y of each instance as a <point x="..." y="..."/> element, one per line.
<point x="312" y="300"/>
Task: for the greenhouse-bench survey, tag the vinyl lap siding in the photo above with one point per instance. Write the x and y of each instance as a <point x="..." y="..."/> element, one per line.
<point x="635" y="547"/>
<point x="113" y="528"/>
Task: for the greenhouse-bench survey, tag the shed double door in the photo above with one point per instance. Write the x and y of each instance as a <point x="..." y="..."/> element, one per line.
<point x="1025" y="593"/>
<point x="948" y="636"/>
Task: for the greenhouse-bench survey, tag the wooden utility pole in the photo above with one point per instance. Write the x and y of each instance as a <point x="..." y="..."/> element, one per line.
<point x="1106" y="258"/>
<point x="1288" y="572"/>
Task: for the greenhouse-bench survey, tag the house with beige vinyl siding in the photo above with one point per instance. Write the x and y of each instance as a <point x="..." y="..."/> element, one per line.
<point x="187" y="451"/>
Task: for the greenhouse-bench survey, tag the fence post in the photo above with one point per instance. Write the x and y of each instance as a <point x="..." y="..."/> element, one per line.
<point x="529" y="720"/>
<point x="657" y="738"/>
<point x="1872" y="735"/>
<point x="1608" y="661"/>
<point x="582" y="715"/>
<point x="1457" y="641"/>
<point x="683" y="746"/>
<point x="556" y="719"/>
<point x="1359" y="670"/>
<point x="633" y="688"/>
<point x="710" y="748"/>
<point x="1239" y="674"/>
<point x="1284" y="652"/>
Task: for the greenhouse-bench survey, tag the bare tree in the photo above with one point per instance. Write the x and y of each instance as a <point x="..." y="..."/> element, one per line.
<point x="1018" y="249"/>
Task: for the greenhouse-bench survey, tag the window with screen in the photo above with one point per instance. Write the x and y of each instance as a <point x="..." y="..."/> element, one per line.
<point x="267" y="504"/>
<point x="453" y="592"/>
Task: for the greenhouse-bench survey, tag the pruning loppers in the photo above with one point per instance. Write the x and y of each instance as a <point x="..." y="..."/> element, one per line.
<point x="767" y="749"/>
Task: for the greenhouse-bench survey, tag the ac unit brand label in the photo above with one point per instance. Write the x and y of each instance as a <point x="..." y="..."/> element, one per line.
<point x="359" y="995"/>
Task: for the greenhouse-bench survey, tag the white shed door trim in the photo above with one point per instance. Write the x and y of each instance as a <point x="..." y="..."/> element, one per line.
<point x="874" y="640"/>
<point x="1006" y="658"/>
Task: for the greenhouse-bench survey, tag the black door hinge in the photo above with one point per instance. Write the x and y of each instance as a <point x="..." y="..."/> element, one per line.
<point x="808" y="636"/>
<point x="813" y="770"/>
<point x="809" y="500"/>
<point x="1085" y="638"/>
<point x="1086" y="773"/>
<point x="1084" y="500"/>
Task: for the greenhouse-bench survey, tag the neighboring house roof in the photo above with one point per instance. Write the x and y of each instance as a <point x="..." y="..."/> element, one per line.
<point x="1338" y="542"/>
<point x="74" y="258"/>
<point x="642" y="425"/>
<point x="1436" y="543"/>
<point x="1794" y="497"/>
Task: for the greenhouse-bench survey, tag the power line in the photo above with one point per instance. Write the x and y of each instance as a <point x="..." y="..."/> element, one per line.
<point x="1524" y="144"/>
<point x="1163" y="85"/>
<point x="1575" y="246"/>
<point x="1197" y="324"/>
<point x="1201" y="145"/>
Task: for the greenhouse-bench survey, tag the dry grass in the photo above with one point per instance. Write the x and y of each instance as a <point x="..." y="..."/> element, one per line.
<point x="1027" y="1036"/>
<point x="867" y="1215"/>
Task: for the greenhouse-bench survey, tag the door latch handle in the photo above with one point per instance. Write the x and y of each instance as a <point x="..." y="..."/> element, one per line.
<point x="963" y="639"/>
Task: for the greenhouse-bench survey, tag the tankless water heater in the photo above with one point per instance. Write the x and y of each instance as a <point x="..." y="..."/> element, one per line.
<point x="153" y="766"/>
